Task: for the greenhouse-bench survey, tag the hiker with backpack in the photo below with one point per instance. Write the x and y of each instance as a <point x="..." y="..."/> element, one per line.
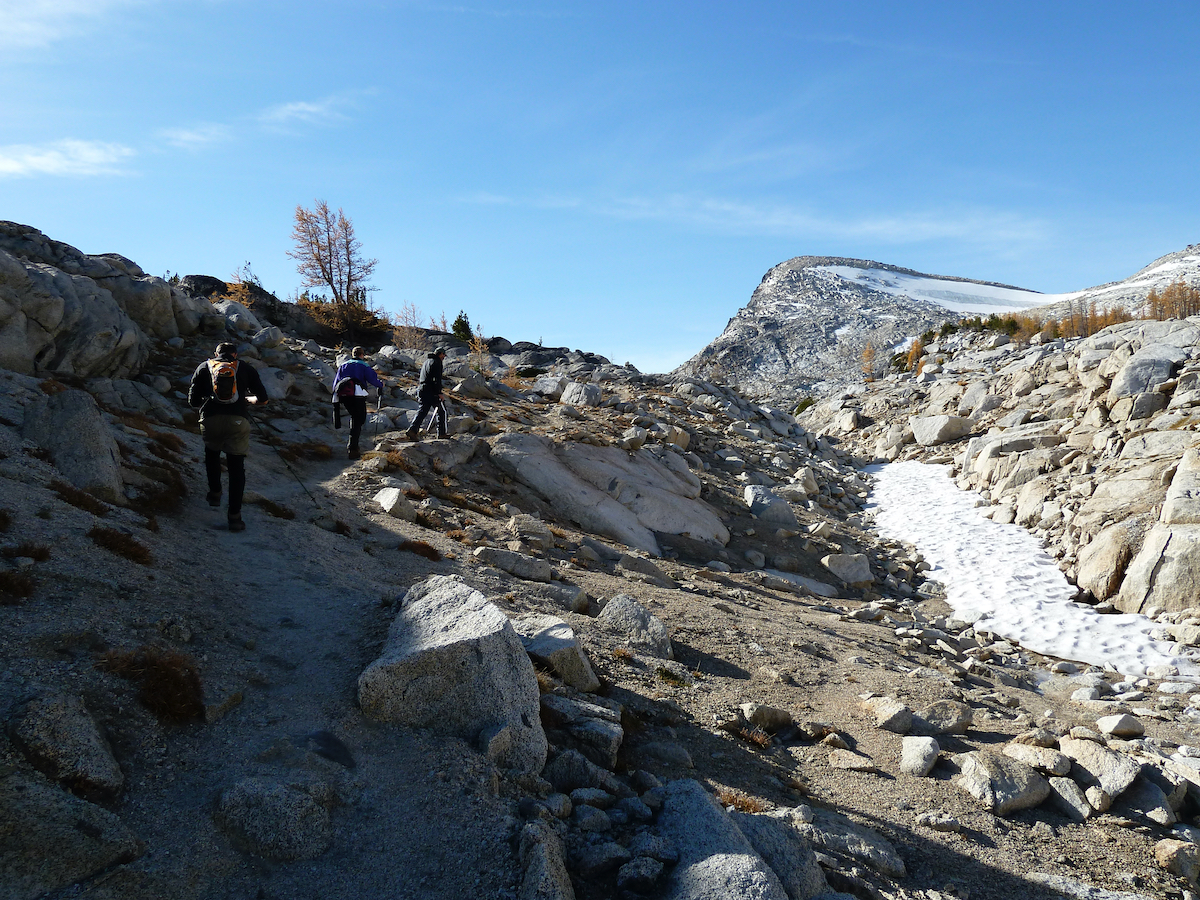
<point x="429" y="392"/>
<point x="351" y="385"/>
<point x="223" y="390"/>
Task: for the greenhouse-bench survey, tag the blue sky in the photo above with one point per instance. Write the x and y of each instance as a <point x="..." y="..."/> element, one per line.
<point x="611" y="176"/>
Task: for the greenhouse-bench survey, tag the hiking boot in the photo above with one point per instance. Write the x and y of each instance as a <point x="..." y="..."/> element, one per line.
<point x="412" y="434"/>
<point x="353" y="453"/>
<point x="236" y="523"/>
<point x="213" y="498"/>
<point x="442" y="435"/>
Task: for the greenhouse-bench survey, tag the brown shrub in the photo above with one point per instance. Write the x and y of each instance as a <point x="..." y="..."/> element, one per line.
<point x="624" y="654"/>
<point x="28" y="549"/>
<point x="52" y="386"/>
<point x="167" y="494"/>
<point x="421" y="548"/>
<point x="120" y="543"/>
<point x="168" y="681"/>
<point x="79" y="499"/>
<point x="306" y="450"/>
<point x="15" y="587"/>
<point x="168" y="440"/>
<point x="755" y="736"/>
<point x="739" y="801"/>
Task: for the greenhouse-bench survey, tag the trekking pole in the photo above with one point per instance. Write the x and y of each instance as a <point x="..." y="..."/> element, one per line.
<point x="283" y="459"/>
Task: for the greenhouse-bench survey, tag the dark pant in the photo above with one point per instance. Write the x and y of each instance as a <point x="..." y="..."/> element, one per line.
<point x="237" y="476"/>
<point x="357" y="408"/>
<point x="428" y="403"/>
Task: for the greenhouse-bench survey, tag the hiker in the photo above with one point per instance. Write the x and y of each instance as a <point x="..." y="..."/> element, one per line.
<point x="429" y="392"/>
<point x="223" y="390"/>
<point x="350" y="389"/>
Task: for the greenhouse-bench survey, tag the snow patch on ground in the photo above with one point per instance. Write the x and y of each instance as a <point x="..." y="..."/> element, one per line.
<point x="1001" y="578"/>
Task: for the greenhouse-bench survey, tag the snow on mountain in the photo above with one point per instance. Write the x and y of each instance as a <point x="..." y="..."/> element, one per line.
<point x="807" y="323"/>
<point x="967" y="297"/>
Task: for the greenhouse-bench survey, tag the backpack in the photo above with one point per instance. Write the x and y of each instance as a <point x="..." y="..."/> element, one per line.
<point x="224" y="380"/>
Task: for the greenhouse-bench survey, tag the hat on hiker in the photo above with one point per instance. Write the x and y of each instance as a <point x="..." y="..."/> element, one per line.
<point x="440" y="351"/>
<point x="226" y="350"/>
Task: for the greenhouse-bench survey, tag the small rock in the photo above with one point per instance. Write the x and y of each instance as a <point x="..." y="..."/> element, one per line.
<point x="1121" y="726"/>
<point x="918" y="755"/>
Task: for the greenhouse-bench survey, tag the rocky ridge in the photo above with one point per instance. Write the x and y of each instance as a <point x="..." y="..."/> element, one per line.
<point x="806" y="326"/>
<point x="808" y="322"/>
<point x="703" y="674"/>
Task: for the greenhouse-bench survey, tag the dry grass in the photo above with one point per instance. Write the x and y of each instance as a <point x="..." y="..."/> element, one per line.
<point x="27" y="549"/>
<point x="755" y="736"/>
<point x="121" y="544"/>
<point x="167" y="495"/>
<point x="168" y="681"/>
<point x="15" y="587"/>
<point x="79" y="499"/>
<point x="622" y="654"/>
<point x="396" y="461"/>
<point x="168" y="441"/>
<point x="306" y="450"/>
<point x="275" y="509"/>
<point x="670" y="677"/>
<point x="459" y="535"/>
<point x="546" y="682"/>
<point x="52" y="386"/>
<point x="421" y="548"/>
<point x="739" y="801"/>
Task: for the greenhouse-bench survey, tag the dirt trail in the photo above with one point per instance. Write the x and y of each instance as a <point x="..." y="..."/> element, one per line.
<point x="294" y="614"/>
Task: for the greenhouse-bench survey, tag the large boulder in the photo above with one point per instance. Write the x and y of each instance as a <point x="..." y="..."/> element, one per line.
<point x="1102" y="562"/>
<point x="622" y="495"/>
<point x="51" y="321"/>
<point x="1001" y="784"/>
<point x="716" y="861"/>
<point x="452" y="662"/>
<point x="53" y="839"/>
<point x="930" y="430"/>
<point x="783" y="848"/>
<point x="1165" y="572"/>
<point x="1145" y="370"/>
<point x="769" y="508"/>
<point x="69" y="425"/>
<point x="59" y="736"/>
<point x="550" y="641"/>
<point x="274" y="821"/>
<point x="631" y="621"/>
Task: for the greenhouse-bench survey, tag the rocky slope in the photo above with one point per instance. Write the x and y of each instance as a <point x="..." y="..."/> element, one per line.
<point x="808" y="321"/>
<point x="619" y="636"/>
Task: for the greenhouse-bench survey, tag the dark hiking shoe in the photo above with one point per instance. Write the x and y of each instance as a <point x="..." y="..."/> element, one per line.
<point x="213" y="498"/>
<point x="412" y="434"/>
<point x="236" y="523"/>
<point x="353" y="454"/>
<point x="443" y="436"/>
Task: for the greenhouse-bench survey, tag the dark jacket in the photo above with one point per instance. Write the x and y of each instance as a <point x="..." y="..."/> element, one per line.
<point x="200" y="392"/>
<point x="355" y="371"/>
<point x="430" y="385"/>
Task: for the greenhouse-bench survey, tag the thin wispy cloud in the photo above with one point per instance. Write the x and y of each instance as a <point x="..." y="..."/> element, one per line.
<point x="197" y="137"/>
<point x="305" y="112"/>
<point x="984" y="227"/>
<point x="777" y="220"/>
<point x="39" y="23"/>
<point x="67" y="158"/>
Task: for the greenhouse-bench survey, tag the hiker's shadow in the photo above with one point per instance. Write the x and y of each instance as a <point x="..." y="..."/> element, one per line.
<point x="706" y="663"/>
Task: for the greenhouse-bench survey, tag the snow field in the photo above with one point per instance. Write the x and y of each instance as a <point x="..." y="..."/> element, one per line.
<point x="1000" y="578"/>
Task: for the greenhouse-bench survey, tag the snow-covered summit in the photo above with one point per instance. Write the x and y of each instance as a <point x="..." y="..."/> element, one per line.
<point x="957" y="294"/>
<point x="808" y="321"/>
